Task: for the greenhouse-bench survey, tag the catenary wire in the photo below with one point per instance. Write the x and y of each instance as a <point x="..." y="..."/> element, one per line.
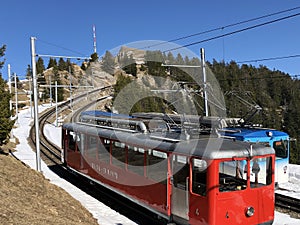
<point x="67" y="49"/>
<point x="258" y="78"/>
<point x="226" y="26"/>
<point x="269" y="59"/>
<point x="234" y="32"/>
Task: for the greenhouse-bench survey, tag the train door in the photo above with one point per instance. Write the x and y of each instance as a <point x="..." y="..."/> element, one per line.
<point x="180" y="187"/>
<point x="200" y="187"/>
<point x="70" y="147"/>
<point x="281" y="148"/>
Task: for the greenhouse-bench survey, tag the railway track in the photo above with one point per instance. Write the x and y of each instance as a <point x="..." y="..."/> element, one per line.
<point x="288" y="203"/>
<point x="50" y="153"/>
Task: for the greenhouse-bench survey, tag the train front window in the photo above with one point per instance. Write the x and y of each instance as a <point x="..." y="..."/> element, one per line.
<point x="281" y="148"/>
<point x="232" y="175"/>
<point x="260" y="172"/>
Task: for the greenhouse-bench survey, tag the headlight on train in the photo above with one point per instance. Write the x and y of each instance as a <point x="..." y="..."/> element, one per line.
<point x="269" y="133"/>
<point x="250" y="211"/>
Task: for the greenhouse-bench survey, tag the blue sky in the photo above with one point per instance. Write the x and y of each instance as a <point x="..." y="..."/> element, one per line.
<point x="65" y="28"/>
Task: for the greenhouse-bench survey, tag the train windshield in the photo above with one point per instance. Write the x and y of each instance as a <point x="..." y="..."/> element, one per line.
<point x="260" y="172"/>
<point x="281" y="148"/>
<point x="233" y="175"/>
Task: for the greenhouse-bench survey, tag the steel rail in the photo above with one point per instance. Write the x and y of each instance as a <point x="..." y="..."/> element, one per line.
<point x="287" y="202"/>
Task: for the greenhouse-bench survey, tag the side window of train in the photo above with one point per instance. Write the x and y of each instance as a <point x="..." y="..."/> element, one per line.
<point x="71" y="141"/>
<point x="92" y="146"/>
<point x="157" y="165"/>
<point x="81" y="142"/>
<point x="118" y="154"/>
<point x="199" y="174"/>
<point x="106" y="144"/>
<point x="104" y="150"/>
<point x="180" y="171"/>
<point x="281" y="148"/>
<point x="136" y="158"/>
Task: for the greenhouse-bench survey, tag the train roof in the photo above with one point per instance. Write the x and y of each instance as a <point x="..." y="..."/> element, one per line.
<point x="208" y="147"/>
<point x="99" y="113"/>
<point x="253" y="133"/>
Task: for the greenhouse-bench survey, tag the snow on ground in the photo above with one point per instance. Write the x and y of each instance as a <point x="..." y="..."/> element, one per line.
<point x="104" y="214"/>
<point x="292" y="188"/>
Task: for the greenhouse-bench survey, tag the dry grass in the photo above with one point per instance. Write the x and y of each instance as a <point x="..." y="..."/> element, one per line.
<point x="28" y="198"/>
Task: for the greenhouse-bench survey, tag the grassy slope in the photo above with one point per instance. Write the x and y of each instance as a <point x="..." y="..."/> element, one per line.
<point x="28" y="198"/>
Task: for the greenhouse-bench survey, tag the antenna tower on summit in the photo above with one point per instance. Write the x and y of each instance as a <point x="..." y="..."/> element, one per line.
<point x="94" y="36"/>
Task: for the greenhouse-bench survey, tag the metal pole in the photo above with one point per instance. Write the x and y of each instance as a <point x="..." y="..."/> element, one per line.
<point x="16" y="97"/>
<point x="36" y="112"/>
<point x="9" y="86"/>
<point x="30" y="88"/>
<point x="204" y="81"/>
<point x="56" y="123"/>
<point x="87" y="90"/>
<point x="70" y="88"/>
<point x="94" y="36"/>
<point x="50" y="91"/>
<point x="92" y="76"/>
<point x="10" y="101"/>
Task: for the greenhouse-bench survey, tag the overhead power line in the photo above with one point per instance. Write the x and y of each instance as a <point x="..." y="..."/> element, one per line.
<point x="259" y="78"/>
<point x="235" y="24"/>
<point x="57" y="46"/>
<point x="235" y="32"/>
<point x="226" y="26"/>
<point x="269" y="59"/>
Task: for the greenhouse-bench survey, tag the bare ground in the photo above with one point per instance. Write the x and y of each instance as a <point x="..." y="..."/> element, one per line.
<point x="26" y="197"/>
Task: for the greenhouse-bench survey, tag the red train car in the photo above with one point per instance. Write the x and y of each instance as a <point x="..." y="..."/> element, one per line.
<point x="186" y="181"/>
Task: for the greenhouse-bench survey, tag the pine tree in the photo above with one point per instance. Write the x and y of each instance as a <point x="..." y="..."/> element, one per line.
<point x="69" y="66"/>
<point x="5" y="114"/>
<point x="60" y="90"/>
<point x="2" y="52"/>
<point x="52" y="63"/>
<point x="62" y="65"/>
<point x="28" y="72"/>
<point x="40" y="68"/>
<point x="84" y="66"/>
<point x="129" y="65"/>
<point x="94" y="57"/>
<point x="154" y="60"/>
<point x="170" y="58"/>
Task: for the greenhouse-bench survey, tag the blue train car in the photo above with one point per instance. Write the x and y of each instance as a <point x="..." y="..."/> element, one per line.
<point x="99" y="113"/>
<point x="279" y="140"/>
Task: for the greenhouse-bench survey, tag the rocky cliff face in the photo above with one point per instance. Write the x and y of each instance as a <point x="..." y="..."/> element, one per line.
<point x="80" y="80"/>
<point x="95" y="76"/>
<point x="137" y="55"/>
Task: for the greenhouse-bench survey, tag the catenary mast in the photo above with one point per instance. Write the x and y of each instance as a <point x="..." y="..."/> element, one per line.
<point x="94" y="38"/>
